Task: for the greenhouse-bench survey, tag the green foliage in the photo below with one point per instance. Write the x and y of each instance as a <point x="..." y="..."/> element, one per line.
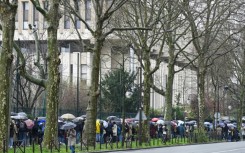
<point x="202" y="136"/>
<point x="179" y="113"/>
<point x="114" y="86"/>
<point x="156" y="112"/>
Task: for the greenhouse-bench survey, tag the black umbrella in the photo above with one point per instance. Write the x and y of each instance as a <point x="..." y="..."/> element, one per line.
<point x="67" y="126"/>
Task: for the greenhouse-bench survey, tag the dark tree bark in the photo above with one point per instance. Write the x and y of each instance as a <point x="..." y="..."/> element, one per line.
<point x="7" y="17"/>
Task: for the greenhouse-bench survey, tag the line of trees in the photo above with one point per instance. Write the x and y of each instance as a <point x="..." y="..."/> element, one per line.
<point x="201" y="33"/>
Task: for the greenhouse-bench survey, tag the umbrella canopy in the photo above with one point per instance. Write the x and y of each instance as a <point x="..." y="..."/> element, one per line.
<point x="29" y="123"/>
<point x="68" y="116"/>
<point x="67" y="126"/>
<point x="231" y="125"/>
<point x="154" y="119"/>
<point x="19" y="117"/>
<point x="105" y="124"/>
<point x="180" y="122"/>
<point x="22" y="114"/>
<point x="160" y="122"/>
<point x="173" y="123"/>
<point x="78" y="119"/>
<point x="13" y="114"/>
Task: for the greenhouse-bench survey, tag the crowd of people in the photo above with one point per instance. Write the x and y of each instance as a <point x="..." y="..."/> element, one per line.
<point x="111" y="131"/>
<point x="20" y="134"/>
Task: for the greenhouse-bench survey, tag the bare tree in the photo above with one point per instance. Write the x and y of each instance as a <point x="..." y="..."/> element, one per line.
<point x="52" y="16"/>
<point x="100" y="30"/>
<point x="164" y="43"/>
<point x="209" y="21"/>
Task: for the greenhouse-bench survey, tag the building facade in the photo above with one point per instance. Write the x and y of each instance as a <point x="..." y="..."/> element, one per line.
<point x="76" y="61"/>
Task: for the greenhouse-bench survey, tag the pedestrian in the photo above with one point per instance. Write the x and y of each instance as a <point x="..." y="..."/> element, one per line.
<point x="97" y="130"/>
<point x="22" y="132"/>
<point x="35" y="130"/>
<point x="114" y="131"/>
<point x="102" y="132"/>
<point x="71" y="135"/>
<point x="13" y="131"/>
<point x="225" y="131"/>
<point x="219" y="132"/>
<point x="243" y="132"/>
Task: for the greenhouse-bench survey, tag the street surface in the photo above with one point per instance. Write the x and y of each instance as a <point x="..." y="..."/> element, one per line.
<point x="226" y="147"/>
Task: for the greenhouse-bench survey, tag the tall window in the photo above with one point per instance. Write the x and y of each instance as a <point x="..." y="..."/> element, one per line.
<point x="25" y="15"/>
<point x="16" y="21"/>
<point x="35" y="17"/>
<point x="83" y="71"/>
<point x="66" y="21"/>
<point x="66" y="16"/>
<point x="88" y="10"/>
<point x="46" y="7"/>
<point x="77" y="23"/>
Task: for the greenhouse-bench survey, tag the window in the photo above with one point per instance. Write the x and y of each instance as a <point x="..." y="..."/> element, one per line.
<point x="83" y="71"/>
<point x="66" y="21"/>
<point x="46" y="7"/>
<point x="77" y="23"/>
<point x="65" y="47"/>
<point x="88" y="10"/>
<point x="66" y="15"/>
<point x="35" y="17"/>
<point x="16" y="21"/>
<point x="25" y="15"/>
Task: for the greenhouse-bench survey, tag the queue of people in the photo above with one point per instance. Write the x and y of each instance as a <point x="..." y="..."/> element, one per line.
<point x="20" y="134"/>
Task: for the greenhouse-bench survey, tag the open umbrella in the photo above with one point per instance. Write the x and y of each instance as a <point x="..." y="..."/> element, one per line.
<point x="19" y="117"/>
<point x="154" y="119"/>
<point x="67" y="126"/>
<point x="68" y="116"/>
<point x="29" y="123"/>
<point x="22" y="114"/>
<point x="180" y="122"/>
<point x="160" y="122"/>
<point x="78" y="119"/>
<point x="105" y="124"/>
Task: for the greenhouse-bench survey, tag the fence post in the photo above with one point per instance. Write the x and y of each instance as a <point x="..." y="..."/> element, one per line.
<point x="33" y="145"/>
<point x="41" y="148"/>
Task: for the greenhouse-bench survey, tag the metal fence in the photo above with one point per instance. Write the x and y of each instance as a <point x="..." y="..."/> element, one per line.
<point x="110" y="143"/>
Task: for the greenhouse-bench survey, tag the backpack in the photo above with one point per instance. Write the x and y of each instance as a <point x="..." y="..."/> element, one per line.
<point x="118" y="130"/>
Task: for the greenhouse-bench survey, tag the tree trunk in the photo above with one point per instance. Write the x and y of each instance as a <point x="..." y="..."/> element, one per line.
<point x="7" y="18"/>
<point x="146" y="99"/>
<point x="93" y="95"/>
<point x="201" y="92"/>
<point x="51" y="127"/>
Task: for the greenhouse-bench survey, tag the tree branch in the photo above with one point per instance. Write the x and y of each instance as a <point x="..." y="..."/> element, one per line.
<point x="125" y="29"/>
<point x="23" y="71"/>
<point x="39" y="8"/>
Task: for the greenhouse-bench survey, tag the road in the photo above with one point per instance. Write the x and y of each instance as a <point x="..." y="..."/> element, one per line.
<point x="225" y="147"/>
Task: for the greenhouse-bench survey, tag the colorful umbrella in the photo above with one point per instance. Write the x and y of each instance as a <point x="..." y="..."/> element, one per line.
<point x="29" y="123"/>
<point x="68" y="116"/>
<point x="154" y="119"/>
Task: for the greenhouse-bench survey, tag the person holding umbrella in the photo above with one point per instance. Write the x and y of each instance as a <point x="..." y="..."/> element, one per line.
<point x="71" y="135"/>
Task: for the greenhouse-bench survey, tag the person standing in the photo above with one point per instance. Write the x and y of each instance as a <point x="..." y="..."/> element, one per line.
<point x="98" y="131"/>
<point x="22" y="132"/>
<point x="114" y="131"/>
<point x="13" y="131"/>
<point x="71" y="135"/>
